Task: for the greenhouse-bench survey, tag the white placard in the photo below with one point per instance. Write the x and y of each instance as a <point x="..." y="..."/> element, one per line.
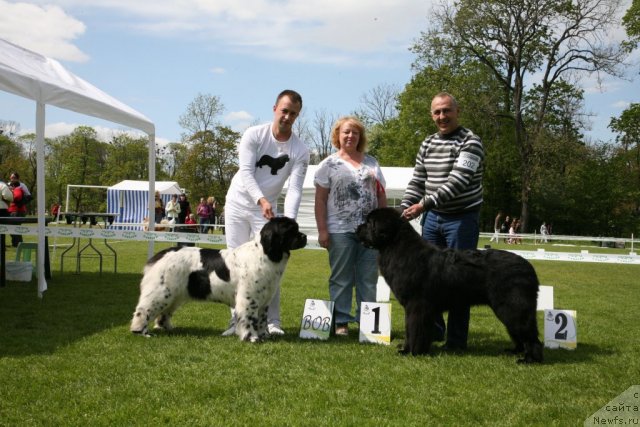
<point x="375" y="322"/>
<point x="545" y="298"/>
<point x="316" y="319"/>
<point x="383" y="292"/>
<point x="560" y="329"/>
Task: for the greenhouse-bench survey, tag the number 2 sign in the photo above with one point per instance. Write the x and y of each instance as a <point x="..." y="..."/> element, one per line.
<point x="560" y="329"/>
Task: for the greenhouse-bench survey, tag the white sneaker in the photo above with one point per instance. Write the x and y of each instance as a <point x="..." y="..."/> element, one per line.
<point x="230" y="331"/>
<point x="275" y="329"/>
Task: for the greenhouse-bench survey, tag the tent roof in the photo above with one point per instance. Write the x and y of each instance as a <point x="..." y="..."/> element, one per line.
<point x="164" y="187"/>
<point x="31" y="75"/>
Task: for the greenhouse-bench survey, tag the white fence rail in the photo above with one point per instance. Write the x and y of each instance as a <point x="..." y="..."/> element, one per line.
<point x="219" y="239"/>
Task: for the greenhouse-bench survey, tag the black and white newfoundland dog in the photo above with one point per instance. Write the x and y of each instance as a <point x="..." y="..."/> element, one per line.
<point x="245" y="278"/>
<point x="428" y="280"/>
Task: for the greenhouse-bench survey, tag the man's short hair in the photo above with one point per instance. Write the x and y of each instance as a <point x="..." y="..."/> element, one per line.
<point x="445" y="94"/>
<point x="295" y="96"/>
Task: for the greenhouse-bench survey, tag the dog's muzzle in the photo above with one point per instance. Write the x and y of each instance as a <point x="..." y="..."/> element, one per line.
<point x="300" y="241"/>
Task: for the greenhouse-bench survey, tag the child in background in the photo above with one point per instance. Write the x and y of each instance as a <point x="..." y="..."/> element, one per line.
<point x="191" y="220"/>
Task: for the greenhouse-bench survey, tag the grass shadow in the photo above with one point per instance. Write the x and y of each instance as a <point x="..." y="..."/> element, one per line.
<point x="75" y="306"/>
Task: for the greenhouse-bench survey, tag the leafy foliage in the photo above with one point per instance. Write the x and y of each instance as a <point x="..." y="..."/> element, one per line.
<point x="631" y="23"/>
<point x="541" y="40"/>
<point x="210" y="162"/>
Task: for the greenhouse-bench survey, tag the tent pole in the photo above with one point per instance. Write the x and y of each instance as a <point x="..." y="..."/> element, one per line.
<point x="40" y="120"/>
<point x="152" y="189"/>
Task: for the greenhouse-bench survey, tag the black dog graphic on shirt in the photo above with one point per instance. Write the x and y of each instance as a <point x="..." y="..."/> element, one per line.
<point x="275" y="163"/>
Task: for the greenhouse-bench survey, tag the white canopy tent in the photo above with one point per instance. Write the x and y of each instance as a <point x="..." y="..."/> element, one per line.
<point x="46" y="81"/>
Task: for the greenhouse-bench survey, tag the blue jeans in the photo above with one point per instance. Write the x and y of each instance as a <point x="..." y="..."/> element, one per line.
<point x="458" y="231"/>
<point x="351" y="264"/>
<point x="203" y="225"/>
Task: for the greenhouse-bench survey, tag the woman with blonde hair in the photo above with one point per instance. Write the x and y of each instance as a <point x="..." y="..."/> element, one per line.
<point x="211" y="201"/>
<point x="349" y="185"/>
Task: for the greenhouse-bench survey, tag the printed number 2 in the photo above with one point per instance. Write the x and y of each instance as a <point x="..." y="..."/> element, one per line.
<point x="561" y="319"/>
<point x="376" y="322"/>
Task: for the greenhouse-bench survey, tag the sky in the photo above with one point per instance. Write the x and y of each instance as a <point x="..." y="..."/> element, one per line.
<point x="157" y="55"/>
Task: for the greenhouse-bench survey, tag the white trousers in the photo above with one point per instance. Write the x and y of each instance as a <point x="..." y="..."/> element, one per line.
<point x="241" y="226"/>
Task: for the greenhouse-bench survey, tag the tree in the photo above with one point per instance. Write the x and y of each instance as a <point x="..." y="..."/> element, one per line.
<point x="320" y="135"/>
<point x="9" y="128"/>
<point x="210" y="163"/>
<point x="631" y="23"/>
<point x="396" y="142"/>
<point x="11" y="154"/>
<point x="379" y="104"/>
<point x="541" y="41"/>
<point x="627" y="126"/>
<point x="83" y="160"/>
<point x="173" y="156"/>
<point x="127" y="158"/>
<point x="201" y="114"/>
<point x="301" y="128"/>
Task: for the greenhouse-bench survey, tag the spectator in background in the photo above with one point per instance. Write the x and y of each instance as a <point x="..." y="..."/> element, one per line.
<point x="6" y="197"/>
<point x="159" y="208"/>
<point x="204" y="215"/>
<point x="17" y="208"/>
<point x="185" y="209"/>
<point x="15" y="177"/>
<point x="54" y="210"/>
<point x="514" y="239"/>
<point x="497" y="222"/>
<point x="193" y="225"/>
<point x="173" y="210"/>
<point x="544" y="232"/>
<point x="211" y="201"/>
<point x="504" y="228"/>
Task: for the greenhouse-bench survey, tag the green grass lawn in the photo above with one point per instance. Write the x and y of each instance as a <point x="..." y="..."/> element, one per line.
<point x="69" y="359"/>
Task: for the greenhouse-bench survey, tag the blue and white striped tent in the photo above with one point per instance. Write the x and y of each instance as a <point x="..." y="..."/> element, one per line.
<point x="129" y="199"/>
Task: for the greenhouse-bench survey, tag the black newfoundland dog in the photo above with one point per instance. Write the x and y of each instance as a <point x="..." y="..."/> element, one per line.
<point x="428" y="280"/>
<point x="245" y="278"/>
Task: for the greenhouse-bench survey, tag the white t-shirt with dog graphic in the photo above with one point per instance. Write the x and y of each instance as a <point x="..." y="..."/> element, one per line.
<point x="264" y="166"/>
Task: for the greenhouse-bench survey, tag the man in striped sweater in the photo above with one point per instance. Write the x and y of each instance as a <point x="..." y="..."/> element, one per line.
<point x="447" y="189"/>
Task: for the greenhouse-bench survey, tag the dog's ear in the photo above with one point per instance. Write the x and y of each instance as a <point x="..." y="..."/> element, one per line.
<point x="271" y="240"/>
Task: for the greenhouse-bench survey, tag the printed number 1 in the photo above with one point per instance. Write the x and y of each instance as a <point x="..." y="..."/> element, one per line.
<point x="376" y="322"/>
<point x="561" y="333"/>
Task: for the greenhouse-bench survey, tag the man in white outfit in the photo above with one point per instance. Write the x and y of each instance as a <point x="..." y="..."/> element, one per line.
<point x="268" y="154"/>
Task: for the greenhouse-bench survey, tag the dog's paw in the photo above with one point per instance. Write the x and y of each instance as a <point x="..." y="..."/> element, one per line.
<point x="403" y="350"/>
<point x="250" y="337"/>
<point x="143" y="333"/>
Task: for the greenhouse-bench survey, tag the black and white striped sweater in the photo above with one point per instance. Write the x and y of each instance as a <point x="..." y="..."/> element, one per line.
<point x="447" y="177"/>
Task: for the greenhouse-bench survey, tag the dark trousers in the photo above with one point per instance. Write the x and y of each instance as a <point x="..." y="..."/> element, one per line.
<point x="16" y="239"/>
<point x="459" y="231"/>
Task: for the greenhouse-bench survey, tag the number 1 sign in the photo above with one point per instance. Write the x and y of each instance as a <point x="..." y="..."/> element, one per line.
<point x="375" y="322"/>
<point x="560" y="330"/>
